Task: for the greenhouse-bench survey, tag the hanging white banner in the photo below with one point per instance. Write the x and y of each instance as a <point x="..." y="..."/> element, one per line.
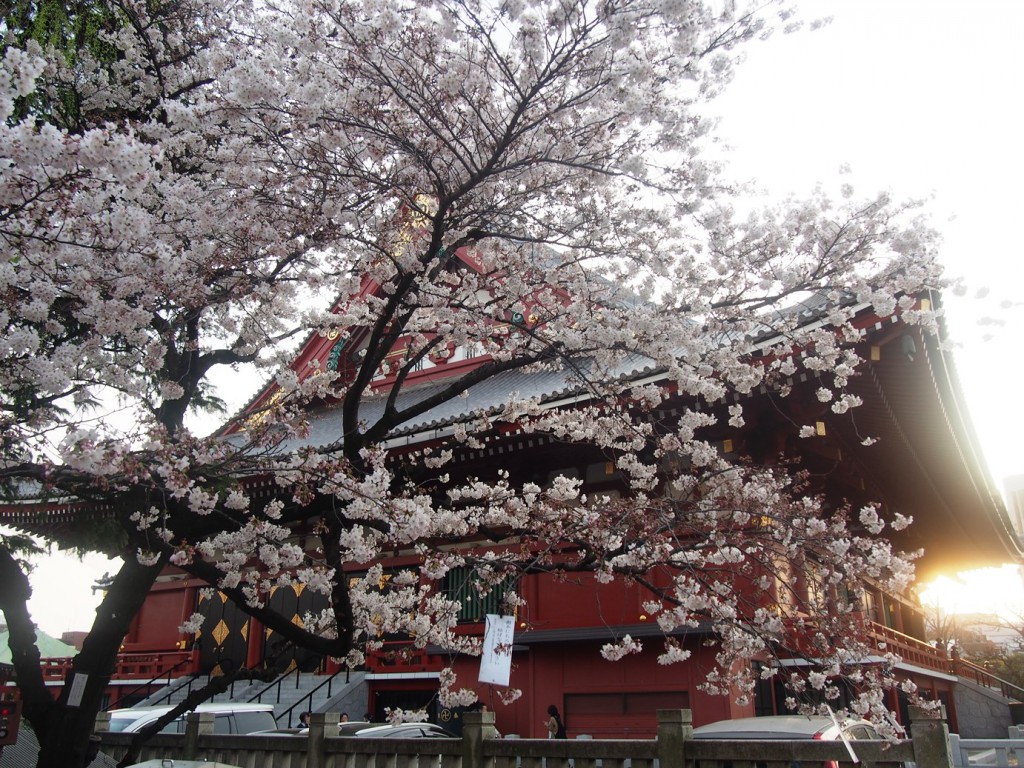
<point x="496" y="661"/>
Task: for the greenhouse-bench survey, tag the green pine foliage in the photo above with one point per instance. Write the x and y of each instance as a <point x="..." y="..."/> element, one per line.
<point x="79" y="31"/>
<point x="21" y="547"/>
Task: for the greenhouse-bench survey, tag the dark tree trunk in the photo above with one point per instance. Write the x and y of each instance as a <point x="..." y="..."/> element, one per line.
<point x="64" y="726"/>
<point x="14" y="594"/>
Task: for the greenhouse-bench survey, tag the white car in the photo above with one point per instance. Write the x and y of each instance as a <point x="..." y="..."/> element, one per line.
<point x="228" y="717"/>
<point x="787" y="728"/>
<point x="405" y="731"/>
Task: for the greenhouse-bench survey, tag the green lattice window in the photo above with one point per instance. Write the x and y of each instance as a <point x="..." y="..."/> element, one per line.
<point x="460" y="584"/>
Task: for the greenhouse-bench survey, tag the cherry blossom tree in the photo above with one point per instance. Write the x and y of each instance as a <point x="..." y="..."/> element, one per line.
<point x="213" y="182"/>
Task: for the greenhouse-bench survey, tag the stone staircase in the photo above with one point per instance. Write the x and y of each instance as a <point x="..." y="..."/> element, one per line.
<point x="291" y="694"/>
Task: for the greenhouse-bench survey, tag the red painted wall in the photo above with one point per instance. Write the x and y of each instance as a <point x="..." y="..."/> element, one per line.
<point x="155" y="627"/>
<point x="579" y="601"/>
<point x="600" y="698"/>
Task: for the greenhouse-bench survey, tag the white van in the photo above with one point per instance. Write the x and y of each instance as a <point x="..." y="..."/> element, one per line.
<point x="228" y="717"/>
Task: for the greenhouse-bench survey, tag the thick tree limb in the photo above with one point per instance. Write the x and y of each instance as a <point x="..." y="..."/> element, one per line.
<point x="25" y="657"/>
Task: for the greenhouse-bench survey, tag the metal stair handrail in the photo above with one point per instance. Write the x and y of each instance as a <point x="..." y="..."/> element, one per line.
<point x="188" y="684"/>
<point x="191" y="680"/>
<point x="152" y="680"/>
<point x="329" y="682"/>
<point x="984" y="677"/>
<point x="258" y="696"/>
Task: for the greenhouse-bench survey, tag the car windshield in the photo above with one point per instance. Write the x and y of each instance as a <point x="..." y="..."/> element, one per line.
<point x="247" y="722"/>
<point x="118" y="724"/>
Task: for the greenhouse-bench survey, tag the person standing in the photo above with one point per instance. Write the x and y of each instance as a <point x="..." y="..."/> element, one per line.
<point x="554" y="724"/>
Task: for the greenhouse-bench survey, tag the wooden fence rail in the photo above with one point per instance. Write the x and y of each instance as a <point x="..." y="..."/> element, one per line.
<point x="674" y="747"/>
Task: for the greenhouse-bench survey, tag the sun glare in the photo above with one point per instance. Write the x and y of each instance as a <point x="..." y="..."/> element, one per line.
<point x="987" y="590"/>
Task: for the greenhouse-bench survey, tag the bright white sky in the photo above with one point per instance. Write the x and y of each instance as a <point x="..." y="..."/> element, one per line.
<point x="921" y="97"/>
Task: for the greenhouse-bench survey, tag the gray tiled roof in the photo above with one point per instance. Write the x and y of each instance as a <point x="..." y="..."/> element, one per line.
<point x="490" y="396"/>
<point x="485" y="398"/>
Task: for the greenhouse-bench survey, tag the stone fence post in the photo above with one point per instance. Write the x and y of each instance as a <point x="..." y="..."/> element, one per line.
<point x="931" y="738"/>
<point x="196" y="724"/>
<point x="476" y="726"/>
<point x="321" y="725"/>
<point x="675" y="728"/>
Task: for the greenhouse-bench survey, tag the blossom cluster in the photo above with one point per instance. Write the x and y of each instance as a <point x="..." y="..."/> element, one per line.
<point x="481" y="190"/>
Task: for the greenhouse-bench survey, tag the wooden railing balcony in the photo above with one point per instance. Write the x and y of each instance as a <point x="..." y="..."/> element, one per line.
<point x="910" y="649"/>
<point x="130" y="666"/>
<point x="927" y="656"/>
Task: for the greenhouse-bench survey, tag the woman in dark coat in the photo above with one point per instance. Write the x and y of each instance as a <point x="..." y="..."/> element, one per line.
<point x="556" y="729"/>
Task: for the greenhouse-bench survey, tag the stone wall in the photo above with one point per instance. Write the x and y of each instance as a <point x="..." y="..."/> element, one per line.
<point x="673" y="748"/>
<point x="981" y="713"/>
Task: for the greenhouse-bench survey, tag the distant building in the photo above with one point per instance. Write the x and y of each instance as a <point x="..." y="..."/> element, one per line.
<point x="993" y="635"/>
<point x="49" y="647"/>
<point x="74" y="638"/>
